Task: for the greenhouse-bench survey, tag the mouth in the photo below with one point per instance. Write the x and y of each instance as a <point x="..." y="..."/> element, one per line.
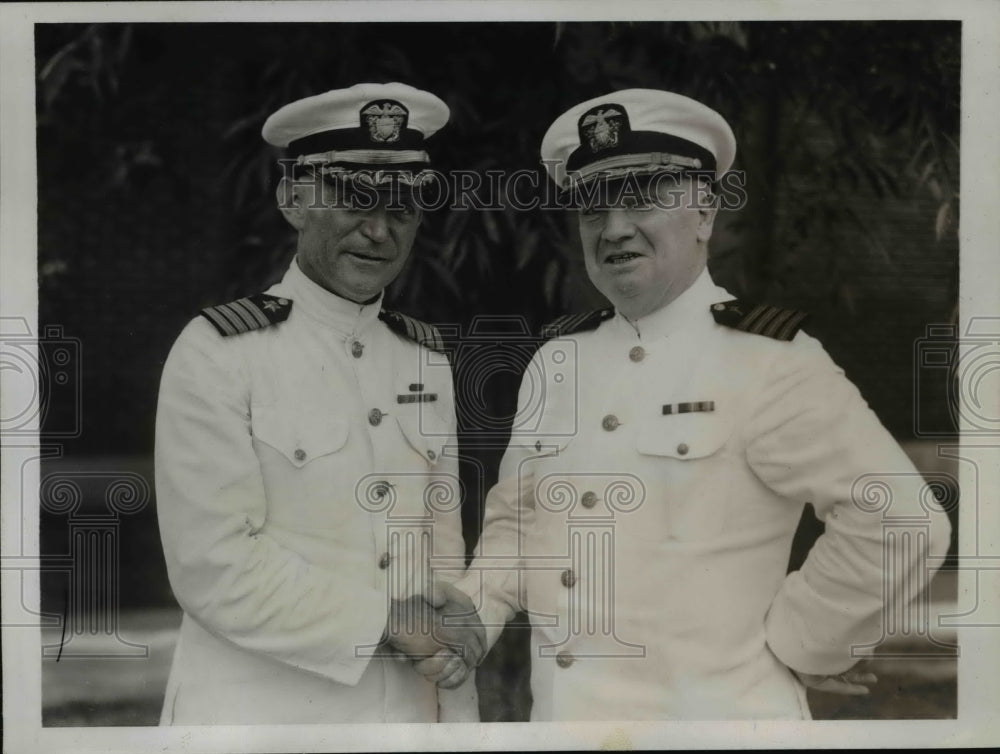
<point x="370" y="258"/>
<point x="622" y="257"/>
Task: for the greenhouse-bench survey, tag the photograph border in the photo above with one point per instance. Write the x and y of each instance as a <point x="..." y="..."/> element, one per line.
<point x="978" y="682"/>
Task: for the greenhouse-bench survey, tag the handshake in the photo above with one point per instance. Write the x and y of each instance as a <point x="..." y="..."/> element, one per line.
<point x="440" y="633"/>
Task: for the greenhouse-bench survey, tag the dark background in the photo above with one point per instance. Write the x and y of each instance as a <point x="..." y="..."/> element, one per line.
<point x="155" y="198"/>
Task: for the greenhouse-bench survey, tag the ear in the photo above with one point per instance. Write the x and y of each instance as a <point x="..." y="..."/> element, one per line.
<point x="706" y="221"/>
<point x="708" y="206"/>
<point x="291" y="203"/>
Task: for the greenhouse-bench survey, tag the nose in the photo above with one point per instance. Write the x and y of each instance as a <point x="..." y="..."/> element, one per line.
<point x="618" y="226"/>
<point x="375" y="226"/>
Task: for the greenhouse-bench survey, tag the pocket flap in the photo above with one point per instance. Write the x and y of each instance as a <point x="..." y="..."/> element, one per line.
<point x="543" y="446"/>
<point x="426" y="433"/>
<point x="298" y="435"/>
<point x="685" y="436"/>
<point x="555" y="430"/>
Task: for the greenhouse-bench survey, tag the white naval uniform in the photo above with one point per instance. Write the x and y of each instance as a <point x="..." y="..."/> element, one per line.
<point x="275" y="517"/>
<point x="651" y="548"/>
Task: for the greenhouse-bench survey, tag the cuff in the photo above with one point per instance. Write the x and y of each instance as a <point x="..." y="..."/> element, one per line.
<point x="493" y="613"/>
<point x="794" y="642"/>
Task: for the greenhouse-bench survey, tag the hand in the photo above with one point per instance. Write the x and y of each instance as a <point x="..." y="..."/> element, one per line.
<point x="412" y="626"/>
<point x="446" y="669"/>
<point x="460" y="628"/>
<point x="850" y="682"/>
<point x="420" y="627"/>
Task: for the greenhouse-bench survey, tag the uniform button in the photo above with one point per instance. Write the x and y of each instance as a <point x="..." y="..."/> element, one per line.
<point x="568" y="578"/>
<point x="637" y="354"/>
<point x="300" y="455"/>
<point x="682" y="449"/>
<point x="431" y="454"/>
<point x="375" y="417"/>
<point x="383" y="562"/>
<point x="538" y="446"/>
<point x="589" y="499"/>
<point x="357" y="348"/>
<point x="610" y="422"/>
<point x="564" y="659"/>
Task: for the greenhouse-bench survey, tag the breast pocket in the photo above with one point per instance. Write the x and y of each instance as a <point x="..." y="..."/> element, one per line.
<point x="689" y="460"/>
<point x="426" y="433"/>
<point x="307" y="475"/>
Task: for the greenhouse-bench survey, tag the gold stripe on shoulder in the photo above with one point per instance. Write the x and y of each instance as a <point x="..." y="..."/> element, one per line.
<point x="758" y="319"/>
<point x="568" y="324"/>
<point x="248" y="314"/>
<point x="419" y="332"/>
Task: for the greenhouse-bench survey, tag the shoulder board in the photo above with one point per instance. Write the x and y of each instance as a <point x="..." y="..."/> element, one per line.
<point x="759" y="319"/>
<point x="417" y="331"/>
<point x="574" y="323"/>
<point x="246" y="314"/>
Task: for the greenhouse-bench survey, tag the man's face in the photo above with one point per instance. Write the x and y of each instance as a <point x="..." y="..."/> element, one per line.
<point x="644" y="248"/>
<point x="352" y="244"/>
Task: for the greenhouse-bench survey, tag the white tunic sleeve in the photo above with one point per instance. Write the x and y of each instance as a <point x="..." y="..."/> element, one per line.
<point x="494" y="580"/>
<point x="812" y="438"/>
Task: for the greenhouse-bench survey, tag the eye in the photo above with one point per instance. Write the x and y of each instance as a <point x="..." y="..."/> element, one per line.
<point x="358" y="201"/>
<point x="403" y="209"/>
<point x="637" y="203"/>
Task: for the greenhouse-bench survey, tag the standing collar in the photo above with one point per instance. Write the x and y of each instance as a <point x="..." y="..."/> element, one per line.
<point x="340" y="314"/>
<point x="685" y="311"/>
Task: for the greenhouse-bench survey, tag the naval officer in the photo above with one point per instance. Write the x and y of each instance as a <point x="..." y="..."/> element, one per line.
<point x="644" y="513"/>
<point x="306" y="476"/>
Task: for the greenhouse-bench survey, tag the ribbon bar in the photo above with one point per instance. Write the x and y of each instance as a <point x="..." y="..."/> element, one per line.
<point x="418" y="398"/>
<point x="688" y="408"/>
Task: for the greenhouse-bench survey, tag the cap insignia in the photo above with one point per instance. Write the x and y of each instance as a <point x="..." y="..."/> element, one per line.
<point x="385" y="120"/>
<point x="601" y="126"/>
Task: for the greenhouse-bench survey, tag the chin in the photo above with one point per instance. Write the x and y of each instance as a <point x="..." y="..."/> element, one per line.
<point x="624" y="291"/>
<point x="633" y="307"/>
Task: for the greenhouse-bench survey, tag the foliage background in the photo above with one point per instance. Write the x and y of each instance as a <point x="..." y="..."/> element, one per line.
<point x="155" y="198"/>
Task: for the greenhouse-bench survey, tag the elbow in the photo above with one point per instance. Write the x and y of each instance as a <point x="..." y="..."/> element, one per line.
<point x="939" y="537"/>
<point x="209" y="583"/>
<point x="196" y="591"/>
